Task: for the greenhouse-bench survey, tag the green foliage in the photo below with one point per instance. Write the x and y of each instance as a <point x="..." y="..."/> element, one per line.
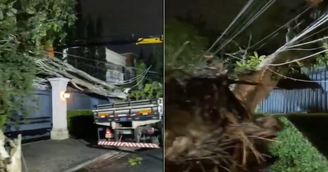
<point x="146" y="88"/>
<point x="322" y="60"/>
<point x="135" y="161"/>
<point x="156" y="59"/>
<point x="250" y="63"/>
<point x="150" y="90"/>
<point x="3" y="119"/>
<point x="75" y="113"/>
<point x="295" y="153"/>
<point x="176" y="34"/>
<point x="26" y="27"/>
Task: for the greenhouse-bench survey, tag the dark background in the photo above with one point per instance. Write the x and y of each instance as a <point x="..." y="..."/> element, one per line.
<point x="120" y="18"/>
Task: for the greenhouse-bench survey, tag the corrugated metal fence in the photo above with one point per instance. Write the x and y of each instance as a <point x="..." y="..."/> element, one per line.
<point x="292" y="101"/>
<point x="300" y="100"/>
<point x="38" y="123"/>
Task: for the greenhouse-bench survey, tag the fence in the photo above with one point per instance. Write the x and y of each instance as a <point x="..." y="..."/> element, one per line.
<point x="295" y="101"/>
<point x="38" y="123"/>
<point x="313" y="99"/>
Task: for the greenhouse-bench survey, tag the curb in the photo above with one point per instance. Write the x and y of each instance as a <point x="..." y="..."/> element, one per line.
<point x="110" y="154"/>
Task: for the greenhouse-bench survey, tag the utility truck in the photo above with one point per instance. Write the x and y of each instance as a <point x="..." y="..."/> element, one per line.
<point x="135" y="124"/>
<point x="127" y="124"/>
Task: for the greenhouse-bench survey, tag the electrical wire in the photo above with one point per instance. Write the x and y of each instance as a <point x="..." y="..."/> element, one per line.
<point x="249" y="21"/>
<point x="300" y="59"/>
<point x="266" y="6"/>
<point x="314" y="34"/>
<point x="310" y="28"/>
<point x="281" y="27"/>
<point x="295" y="79"/>
<point x="122" y="83"/>
<point x="231" y="24"/>
<point x="309" y="42"/>
<point x="81" y="57"/>
<point x="138" y="83"/>
<point x="305" y="49"/>
<point x="94" y="60"/>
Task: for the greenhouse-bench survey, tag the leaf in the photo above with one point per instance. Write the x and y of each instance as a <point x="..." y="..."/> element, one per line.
<point x="30" y="10"/>
<point x="239" y="63"/>
<point x="13" y="10"/>
<point x="1" y="15"/>
<point x="255" y="54"/>
<point x="262" y="57"/>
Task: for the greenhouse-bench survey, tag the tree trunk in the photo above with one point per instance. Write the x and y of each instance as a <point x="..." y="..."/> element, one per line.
<point x="252" y="95"/>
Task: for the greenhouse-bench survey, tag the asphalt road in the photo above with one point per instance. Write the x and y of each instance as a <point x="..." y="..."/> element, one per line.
<point x="152" y="161"/>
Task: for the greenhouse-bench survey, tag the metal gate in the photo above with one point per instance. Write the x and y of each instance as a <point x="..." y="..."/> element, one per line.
<point x="35" y="125"/>
<point x="38" y="123"/>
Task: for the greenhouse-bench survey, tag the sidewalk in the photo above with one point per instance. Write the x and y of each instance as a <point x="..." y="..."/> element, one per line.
<point x="55" y="156"/>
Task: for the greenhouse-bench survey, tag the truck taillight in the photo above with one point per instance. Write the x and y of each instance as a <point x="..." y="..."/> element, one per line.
<point x="107" y="131"/>
<point x="150" y="130"/>
<point x="108" y="134"/>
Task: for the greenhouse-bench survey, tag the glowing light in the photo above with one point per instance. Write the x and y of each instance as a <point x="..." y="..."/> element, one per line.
<point x="65" y="95"/>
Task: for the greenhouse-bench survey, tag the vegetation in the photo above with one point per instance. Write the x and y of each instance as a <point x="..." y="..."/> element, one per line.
<point x="145" y="88"/>
<point x="295" y="153"/>
<point x="27" y="28"/>
<point x="178" y="34"/>
<point x="76" y="113"/>
<point x="135" y="161"/>
<point x="80" y="124"/>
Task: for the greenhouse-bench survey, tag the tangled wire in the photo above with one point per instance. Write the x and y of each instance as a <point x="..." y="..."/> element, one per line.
<point x="209" y="129"/>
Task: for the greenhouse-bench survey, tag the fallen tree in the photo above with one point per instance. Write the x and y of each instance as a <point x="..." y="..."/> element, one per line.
<point x="202" y="115"/>
<point x="208" y="128"/>
<point x="52" y="67"/>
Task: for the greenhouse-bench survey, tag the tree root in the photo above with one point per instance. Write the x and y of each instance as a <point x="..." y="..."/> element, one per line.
<point x="209" y="129"/>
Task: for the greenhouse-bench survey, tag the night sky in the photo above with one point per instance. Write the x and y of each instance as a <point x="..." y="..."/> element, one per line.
<point x="123" y="18"/>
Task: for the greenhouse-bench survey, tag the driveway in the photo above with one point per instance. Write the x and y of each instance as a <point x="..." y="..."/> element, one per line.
<point x="55" y="156"/>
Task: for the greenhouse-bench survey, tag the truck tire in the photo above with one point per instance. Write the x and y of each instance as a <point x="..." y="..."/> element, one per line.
<point x="136" y="135"/>
<point x="116" y="135"/>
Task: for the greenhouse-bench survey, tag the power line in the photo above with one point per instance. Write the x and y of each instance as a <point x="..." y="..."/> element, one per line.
<point x="251" y="20"/>
<point x="281" y="27"/>
<point x="125" y="82"/>
<point x="104" y="62"/>
<point x="295" y="79"/>
<point x="231" y="24"/>
<point x="300" y="59"/>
